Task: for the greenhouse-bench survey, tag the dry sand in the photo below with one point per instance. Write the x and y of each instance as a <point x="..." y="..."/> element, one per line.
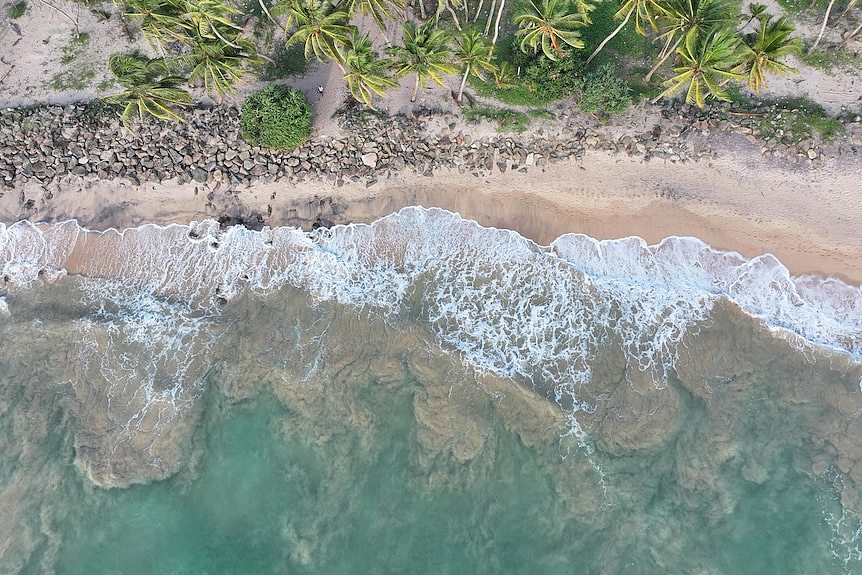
<point x="810" y="219"/>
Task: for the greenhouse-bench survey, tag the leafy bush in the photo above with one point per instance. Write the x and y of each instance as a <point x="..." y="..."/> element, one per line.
<point x="276" y="118"/>
<point x="286" y="61"/>
<point x="17" y="10"/>
<point x="507" y="120"/>
<point x="604" y="92"/>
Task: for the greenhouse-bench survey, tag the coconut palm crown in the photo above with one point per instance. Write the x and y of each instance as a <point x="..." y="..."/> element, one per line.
<point x="366" y="74"/>
<point x="149" y="89"/>
<point x="706" y="63"/>
<point x="321" y="28"/>
<point x="474" y="56"/>
<point x="549" y="24"/>
<point x="763" y="50"/>
<point x="425" y="52"/>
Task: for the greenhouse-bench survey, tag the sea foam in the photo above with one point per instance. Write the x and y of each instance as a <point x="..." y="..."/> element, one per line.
<point x="506" y="304"/>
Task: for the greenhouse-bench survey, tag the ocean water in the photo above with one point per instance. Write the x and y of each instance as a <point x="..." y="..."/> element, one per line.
<point x="421" y="395"/>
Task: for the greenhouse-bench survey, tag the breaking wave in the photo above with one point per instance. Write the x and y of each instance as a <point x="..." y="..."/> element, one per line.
<point x="506" y="304"/>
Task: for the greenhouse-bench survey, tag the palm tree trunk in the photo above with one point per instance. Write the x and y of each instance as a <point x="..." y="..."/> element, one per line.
<point x="454" y="16"/>
<point x="478" y="10"/>
<point x="415" y="89"/>
<point x="823" y="26"/>
<point x="662" y="59"/>
<point x="266" y="11"/>
<point x="846" y="9"/>
<point x="610" y="36"/>
<point x="66" y="14"/>
<point x="497" y="23"/>
<point x="851" y="34"/>
<point x="463" y="82"/>
<point x="488" y="21"/>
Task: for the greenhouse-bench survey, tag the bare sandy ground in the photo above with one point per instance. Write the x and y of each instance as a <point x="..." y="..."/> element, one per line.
<point x="810" y="219"/>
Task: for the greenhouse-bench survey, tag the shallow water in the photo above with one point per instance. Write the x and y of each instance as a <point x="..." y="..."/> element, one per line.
<point x="421" y="395"/>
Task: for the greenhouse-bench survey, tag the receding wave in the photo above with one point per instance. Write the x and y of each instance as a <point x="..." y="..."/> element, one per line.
<point x="508" y="305"/>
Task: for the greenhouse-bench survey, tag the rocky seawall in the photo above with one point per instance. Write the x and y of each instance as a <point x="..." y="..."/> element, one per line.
<point x="49" y="143"/>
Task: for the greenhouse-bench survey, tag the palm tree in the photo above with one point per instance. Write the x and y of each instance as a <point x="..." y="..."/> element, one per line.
<point x="755" y="12"/>
<point x="707" y="62"/>
<point x="219" y="65"/>
<point x="209" y="19"/>
<point x="685" y="19"/>
<point x="644" y="11"/>
<point x="473" y="55"/>
<point x="380" y="10"/>
<point x="148" y="88"/>
<point x="446" y="6"/>
<point x="158" y="19"/>
<point x="764" y="48"/>
<point x="319" y="26"/>
<point x="425" y="53"/>
<point x="549" y="23"/>
<point x="366" y="73"/>
<point x="185" y="21"/>
<point x="822" y="26"/>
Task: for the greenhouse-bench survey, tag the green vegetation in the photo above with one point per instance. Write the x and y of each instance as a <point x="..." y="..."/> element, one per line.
<point x="474" y="56"/>
<point x="507" y="120"/>
<point x="17" y="10"/>
<point x="213" y="48"/>
<point x="603" y="54"/>
<point x="798" y="119"/>
<point x="424" y="52"/>
<point x="75" y="79"/>
<point x="75" y="48"/>
<point x="276" y="118"/>
<point x="77" y="73"/>
<point x="765" y="48"/>
<point x="550" y="24"/>
<point x="604" y="92"/>
<point x="285" y="62"/>
<point x="149" y="88"/>
<point x="366" y="74"/>
<point x="832" y="60"/>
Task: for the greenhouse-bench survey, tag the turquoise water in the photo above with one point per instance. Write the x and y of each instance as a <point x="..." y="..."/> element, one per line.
<point x="148" y="429"/>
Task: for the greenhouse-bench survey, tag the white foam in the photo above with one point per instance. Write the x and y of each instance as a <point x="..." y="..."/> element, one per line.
<point x="507" y="305"/>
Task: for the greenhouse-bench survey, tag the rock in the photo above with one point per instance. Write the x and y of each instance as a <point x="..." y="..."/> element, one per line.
<point x="199" y="175"/>
<point x="370" y="160"/>
<point x="812" y="154"/>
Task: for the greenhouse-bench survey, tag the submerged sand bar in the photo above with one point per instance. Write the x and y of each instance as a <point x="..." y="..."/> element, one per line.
<point x="810" y="219"/>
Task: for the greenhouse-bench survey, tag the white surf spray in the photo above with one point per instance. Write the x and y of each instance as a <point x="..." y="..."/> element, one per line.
<point x="507" y="305"/>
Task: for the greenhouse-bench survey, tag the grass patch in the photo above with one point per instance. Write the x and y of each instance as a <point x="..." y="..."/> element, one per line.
<point x="797" y="119"/>
<point x="276" y="118"/>
<point x="517" y="95"/>
<point x="831" y="60"/>
<point x="76" y="79"/>
<point x="627" y="44"/>
<point x="17" y="10"/>
<point x="797" y="7"/>
<point x="507" y="120"/>
<point x="286" y="62"/>
<point x="106" y="85"/>
<point x="75" y="48"/>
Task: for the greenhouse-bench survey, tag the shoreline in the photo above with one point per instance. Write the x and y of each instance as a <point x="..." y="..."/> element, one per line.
<point x="808" y="219"/>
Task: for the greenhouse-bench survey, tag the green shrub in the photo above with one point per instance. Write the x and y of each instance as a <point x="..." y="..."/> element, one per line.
<point x="285" y="62"/>
<point x="17" y="10"/>
<point x="558" y="79"/>
<point x="604" y="92"/>
<point x="276" y="118"/>
<point x="507" y="120"/>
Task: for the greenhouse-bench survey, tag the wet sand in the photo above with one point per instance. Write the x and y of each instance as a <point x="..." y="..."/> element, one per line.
<point x="810" y="219"/>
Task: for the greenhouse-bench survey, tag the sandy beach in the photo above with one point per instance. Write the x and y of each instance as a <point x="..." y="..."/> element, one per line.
<point x="809" y="219"/>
